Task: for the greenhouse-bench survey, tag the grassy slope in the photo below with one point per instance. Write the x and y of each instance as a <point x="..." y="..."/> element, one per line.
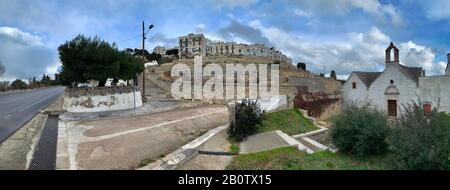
<point x="290" y="121"/>
<point x="289" y="158"/>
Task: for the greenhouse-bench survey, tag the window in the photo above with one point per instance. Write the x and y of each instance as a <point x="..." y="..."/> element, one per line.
<point x="392" y="81"/>
<point x="427" y="108"/>
<point x="354" y="85"/>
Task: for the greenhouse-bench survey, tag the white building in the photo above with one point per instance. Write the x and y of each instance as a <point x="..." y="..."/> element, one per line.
<point x="397" y="86"/>
<point x="192" y="44"/>
<point x="160" y="50"/>
<point x="198" y="43"/>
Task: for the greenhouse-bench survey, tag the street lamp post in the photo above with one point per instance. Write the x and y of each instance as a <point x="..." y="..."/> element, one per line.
<point x="143" y="55"/>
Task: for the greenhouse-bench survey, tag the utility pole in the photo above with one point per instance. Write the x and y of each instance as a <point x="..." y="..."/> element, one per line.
<point x="143" y="58"/>
<point x="324" y="70"/>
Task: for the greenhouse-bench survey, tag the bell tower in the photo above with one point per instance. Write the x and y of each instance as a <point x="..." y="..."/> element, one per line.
<point x="388" y="55"/>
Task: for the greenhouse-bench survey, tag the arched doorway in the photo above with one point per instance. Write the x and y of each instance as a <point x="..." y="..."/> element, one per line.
<point x="391" y="94"/>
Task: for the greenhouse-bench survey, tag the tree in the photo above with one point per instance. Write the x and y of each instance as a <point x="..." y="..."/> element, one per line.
<point x="333" y="75"/>
<point x="18" y="84"/>
<point x="46" y="80"/>
<point x="86" y="58"/>
<point x="172" y="52"/>
<point x="129" y="66"/>
<point x="4" y="85"/>
<point x="138" y="52"/>
<point x="301" y="65"/>
<point x="154" y="57"/>
<point x="2" y="68"/>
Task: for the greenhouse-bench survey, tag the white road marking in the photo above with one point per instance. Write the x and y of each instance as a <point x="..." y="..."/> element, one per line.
<point x="8" y="116"/>
<point x="24" y="108"/>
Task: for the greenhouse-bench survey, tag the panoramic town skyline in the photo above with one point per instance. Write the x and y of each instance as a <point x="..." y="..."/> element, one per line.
<point x="344" y="36"/>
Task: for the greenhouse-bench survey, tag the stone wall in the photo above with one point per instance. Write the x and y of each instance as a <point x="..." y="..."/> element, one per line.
<point x="101" y="99"/>
<point x="290" y="77"/>
<point x="326" y="85"/>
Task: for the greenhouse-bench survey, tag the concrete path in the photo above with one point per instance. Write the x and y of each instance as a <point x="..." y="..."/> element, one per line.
<point x="262" y="142"/>
<point x="217" y="143"/>
<point x="122" y="143"/>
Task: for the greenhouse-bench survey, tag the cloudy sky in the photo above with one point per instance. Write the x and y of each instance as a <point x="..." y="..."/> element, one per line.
<point x="343" y="35"/>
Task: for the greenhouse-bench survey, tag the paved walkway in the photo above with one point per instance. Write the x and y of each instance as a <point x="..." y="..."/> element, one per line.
<point x="121" y="143"/>
<point x="217" y="143"/>
<point x="262" y="142"/>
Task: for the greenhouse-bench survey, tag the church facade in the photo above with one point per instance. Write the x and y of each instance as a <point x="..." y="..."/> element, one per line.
<point x="398" y="86"/>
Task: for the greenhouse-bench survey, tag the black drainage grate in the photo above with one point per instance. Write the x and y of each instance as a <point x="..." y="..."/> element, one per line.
<point x="44" y="157"/>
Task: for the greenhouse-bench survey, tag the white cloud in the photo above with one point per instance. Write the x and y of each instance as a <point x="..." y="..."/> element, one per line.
<point x="200" y="28"/>
<point x="233" y="3"/>
<point x="359" y="52"/>
<point x="301" y="13"/>
<point x="21" y="37"/>
<point x="415" y="55"/>
<point x="342" y="7"/>
<point x="24" y="55"/>
<point x="437" y="9"/>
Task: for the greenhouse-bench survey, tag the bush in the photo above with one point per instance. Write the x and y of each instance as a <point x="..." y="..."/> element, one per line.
<point x="18" y="85"/>
<point x="360" y="131"/>
<point x="4" y="85"/>
<point x="421" y="140"/>
<point x="248" y="119"/>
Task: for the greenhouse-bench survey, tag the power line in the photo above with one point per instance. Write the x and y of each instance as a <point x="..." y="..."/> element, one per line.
<point x="127" y="39"/>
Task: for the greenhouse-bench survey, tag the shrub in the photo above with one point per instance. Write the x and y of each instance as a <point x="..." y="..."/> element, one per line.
<point x="18" y="84"/>
<point x="248" y="118"/>
<point x="4" y="85"/>
<point x="421" y="140"/>
<point x="360" y="130"/>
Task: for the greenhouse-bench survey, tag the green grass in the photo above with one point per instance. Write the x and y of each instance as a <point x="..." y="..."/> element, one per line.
<point x="290" y="158"/>
<point x="145" y="162"/>
<point x="290" y="121"/>
<point x="234" y="149"/>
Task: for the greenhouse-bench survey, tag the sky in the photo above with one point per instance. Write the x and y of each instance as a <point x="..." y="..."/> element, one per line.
<point x="340" y="35"/>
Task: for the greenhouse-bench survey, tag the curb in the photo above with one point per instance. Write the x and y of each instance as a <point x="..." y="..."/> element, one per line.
<point x="215" y="153"/>
<point x="35" y="141"/>
<point x="293" y="142"/>
<point x="183" y="154"/>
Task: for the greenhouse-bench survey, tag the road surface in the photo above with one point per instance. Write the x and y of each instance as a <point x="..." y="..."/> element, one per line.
<point x="19" y="107"/>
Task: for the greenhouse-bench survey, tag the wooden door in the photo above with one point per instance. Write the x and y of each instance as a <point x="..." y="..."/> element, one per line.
<point x="392" y="108"/>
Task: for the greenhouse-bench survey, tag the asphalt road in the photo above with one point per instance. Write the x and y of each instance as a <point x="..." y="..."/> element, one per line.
<point x="18" y="108"/>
